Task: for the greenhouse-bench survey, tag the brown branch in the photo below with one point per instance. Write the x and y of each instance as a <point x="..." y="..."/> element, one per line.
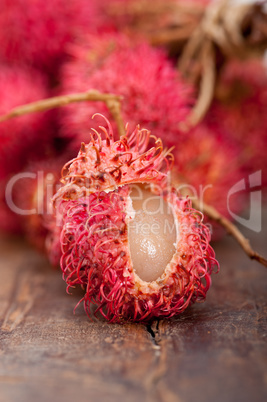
<point x="207" y="85"/>
<point x="213" y="214"/>
<point x="223" y="27"/>
<point x="190" y="52"/>
<point x="112" y="101"/>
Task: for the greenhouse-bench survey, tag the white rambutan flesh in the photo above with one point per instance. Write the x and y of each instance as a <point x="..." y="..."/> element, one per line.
<point x="151" y="233"/>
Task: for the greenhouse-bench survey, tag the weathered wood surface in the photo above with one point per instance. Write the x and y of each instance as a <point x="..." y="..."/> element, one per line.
<point x="215" y="351"/>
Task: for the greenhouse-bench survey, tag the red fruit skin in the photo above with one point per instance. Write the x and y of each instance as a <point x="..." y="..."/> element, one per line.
<point x="240" y="109"/>
<point x="24" y="138"/>
<point x="153" y="92"/>
<point x="105" y="163"/>
<point x="36" y="32"/>
<point x="96" y="256"/>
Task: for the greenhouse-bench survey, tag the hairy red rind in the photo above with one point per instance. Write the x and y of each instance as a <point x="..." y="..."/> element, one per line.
<point x="96" y="255"/>
<point x="106" y="163"/>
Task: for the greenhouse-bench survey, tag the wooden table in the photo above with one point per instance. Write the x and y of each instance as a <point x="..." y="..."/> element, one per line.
<point x="215" y="351"/>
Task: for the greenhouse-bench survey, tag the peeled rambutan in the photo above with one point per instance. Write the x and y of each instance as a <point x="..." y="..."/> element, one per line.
<point x="28" y="136"/>
<point x="36" y="32"/>
<point x="153" y="92"/>
<point x="130" y="240"/>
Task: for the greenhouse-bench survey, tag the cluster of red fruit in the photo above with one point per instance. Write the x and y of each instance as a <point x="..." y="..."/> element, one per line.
<point x="58" y="47"/>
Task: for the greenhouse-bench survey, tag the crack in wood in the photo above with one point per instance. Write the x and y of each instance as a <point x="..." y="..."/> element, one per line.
<point x="157" y="390"/>
<point x="153" y="330"/>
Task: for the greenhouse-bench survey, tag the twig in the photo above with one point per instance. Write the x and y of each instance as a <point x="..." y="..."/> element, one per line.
<point x="207" y="85"/>
<point x="213" y="214"/>
<point x="113" y="102"/>
<point x="221" y="27"/>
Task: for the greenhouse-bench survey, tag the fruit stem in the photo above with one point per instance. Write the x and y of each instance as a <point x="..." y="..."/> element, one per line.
<point x="112" y="101"/>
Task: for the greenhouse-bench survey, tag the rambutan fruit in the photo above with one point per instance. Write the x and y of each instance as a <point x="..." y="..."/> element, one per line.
<point x="36" y="32"/>
<point x="153" y="92"/>
<point x="240" y="109"/>
<point x="28" y="136"/>
<point x="130" y="240"/>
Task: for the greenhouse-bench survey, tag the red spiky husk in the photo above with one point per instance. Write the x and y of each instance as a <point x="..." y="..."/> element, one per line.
<point x="106" y="163"/>
<point x="96" y="255"/>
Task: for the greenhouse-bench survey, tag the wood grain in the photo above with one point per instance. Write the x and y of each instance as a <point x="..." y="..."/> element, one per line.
<point x="215" y="351"/>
